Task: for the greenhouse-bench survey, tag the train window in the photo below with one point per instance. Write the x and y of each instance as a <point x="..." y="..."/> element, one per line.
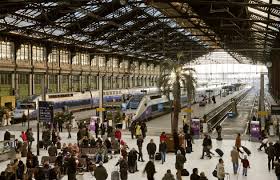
<point x="155" y="107"/>
<point x="155" y="97"/>
<point x="60" y="96"/>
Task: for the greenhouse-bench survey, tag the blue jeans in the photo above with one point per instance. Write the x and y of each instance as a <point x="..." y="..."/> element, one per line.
<point x="163" y="154"/>
<point x="235" y="167"/>
<point x="245" y="171"/>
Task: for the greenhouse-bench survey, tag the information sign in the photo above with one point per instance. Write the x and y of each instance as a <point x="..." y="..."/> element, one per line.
<point x="45" y="111"/>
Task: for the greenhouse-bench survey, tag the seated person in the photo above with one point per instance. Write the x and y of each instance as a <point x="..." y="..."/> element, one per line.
<point x="108" y="145"/>
<point x="85" y="142"/>
<point x="100" y="154"/>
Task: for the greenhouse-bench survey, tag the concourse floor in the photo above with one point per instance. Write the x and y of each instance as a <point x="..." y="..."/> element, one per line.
<point x="258" y="160"/>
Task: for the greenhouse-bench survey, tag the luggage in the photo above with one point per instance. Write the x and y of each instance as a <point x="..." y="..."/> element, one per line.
<point x="220" y="152"/>
<point x="41" y="144"/>
<point x="247" y="151"/>
<point x="58" y="145"/>
<point x="185" y="172"/>
<point x="115" y="175"/>
<point x="158" y="156"/>
<point x="188" y="150"/>
<point x="202" y="103"/>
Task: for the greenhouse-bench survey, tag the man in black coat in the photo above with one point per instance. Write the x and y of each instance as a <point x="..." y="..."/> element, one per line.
<point x="277" y="150"/>
<point x="151" y="148"/>
<point x="72" y="168"/>
<point x="132" y="160"/>
<point x="7" y="135"/>
<point x="140" y="141"/>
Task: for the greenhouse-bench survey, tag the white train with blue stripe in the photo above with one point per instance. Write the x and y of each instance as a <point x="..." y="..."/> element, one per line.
<point x="154" y="105"/>
<point x="79" y="100"/>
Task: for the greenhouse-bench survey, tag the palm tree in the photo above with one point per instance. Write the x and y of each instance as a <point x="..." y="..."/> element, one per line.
<point x="173" y="79"/>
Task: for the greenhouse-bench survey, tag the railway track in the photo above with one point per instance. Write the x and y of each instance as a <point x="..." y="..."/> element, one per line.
<point x="217" y="116"/>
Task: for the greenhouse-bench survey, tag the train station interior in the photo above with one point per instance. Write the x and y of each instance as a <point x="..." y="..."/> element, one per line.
<point x="179" y="72"/>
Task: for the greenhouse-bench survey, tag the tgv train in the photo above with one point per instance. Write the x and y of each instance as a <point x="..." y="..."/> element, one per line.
<point x="79" y="100"/>
<point x="145" y="107"/>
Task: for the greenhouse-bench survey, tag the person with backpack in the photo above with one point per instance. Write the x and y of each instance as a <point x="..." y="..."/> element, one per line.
<point x="162" y="150"/>
<point x="245" y="164"/>
<point x="238" y="143"/>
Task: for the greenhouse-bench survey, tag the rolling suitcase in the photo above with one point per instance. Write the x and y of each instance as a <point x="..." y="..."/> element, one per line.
<point x="220" y="152"/>
<point x="248" y="152"/>
<point x="158" y="156"/>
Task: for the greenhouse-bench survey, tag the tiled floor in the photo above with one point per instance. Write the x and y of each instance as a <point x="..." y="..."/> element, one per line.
<point x="258" y="160"/>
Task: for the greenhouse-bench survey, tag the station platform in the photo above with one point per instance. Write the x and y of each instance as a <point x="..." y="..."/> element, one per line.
<point x="258" y="160"/>
<point x="163" y="123"/>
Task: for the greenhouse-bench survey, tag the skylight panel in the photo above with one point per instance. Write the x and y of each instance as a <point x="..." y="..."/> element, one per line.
<point x="24" y="24"/>
<point x="274" y="17"/>
<point x="257" y="12"/>
<point x="273" y="28"/>
<point x="58" y="32"/>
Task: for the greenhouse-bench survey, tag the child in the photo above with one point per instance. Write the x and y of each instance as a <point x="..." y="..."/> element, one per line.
<point x="245" y="164"/>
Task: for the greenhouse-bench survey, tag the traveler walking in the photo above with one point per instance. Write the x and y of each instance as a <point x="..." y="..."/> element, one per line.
<point x="245" y="164"/>
<point x="150" y="170"/>
<point x="140" y="141"/>
<point x="277" y="150"/>
<point x="277" y="170"/>
<point x="151" y="148"/>
<point x="123" y="168"/>
<point x="221" y="170"/>
<point x="179" y="164"/>
<point x="234" y="159"/>
<point x="270" y="155"/>
<point x="205" y="145"/>
<point x="238" y="143"/>
<point x="144" y="129"/>
<point x="162" y="150"/>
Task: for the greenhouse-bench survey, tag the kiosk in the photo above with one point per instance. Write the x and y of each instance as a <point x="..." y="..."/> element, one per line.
<point x="255" y="131"/>
<point x="195" y="127"/>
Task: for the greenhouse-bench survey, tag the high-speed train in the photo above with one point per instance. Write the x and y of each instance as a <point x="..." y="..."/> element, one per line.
<point x="145" y="107"/>
<point x="79" y="100"/>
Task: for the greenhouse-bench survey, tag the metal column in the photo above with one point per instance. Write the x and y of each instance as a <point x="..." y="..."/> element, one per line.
<point x="101" y="97"/>
<point x="261" y="100"/>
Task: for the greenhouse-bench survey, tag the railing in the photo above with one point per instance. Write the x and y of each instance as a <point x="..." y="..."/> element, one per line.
<point x="219" y="113"/>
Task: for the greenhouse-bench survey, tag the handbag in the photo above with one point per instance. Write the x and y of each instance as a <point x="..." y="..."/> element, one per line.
<point x="214" y="173"/>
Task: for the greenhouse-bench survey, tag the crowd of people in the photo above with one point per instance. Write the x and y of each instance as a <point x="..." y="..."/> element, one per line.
<point x="72" y="158"/>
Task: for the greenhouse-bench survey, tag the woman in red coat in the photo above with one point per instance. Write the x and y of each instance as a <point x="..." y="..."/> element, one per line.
<point x="162" y="137"/>
<point x="118" y="135"/>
